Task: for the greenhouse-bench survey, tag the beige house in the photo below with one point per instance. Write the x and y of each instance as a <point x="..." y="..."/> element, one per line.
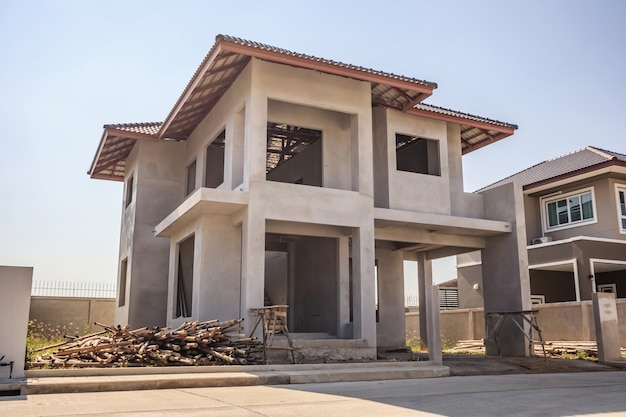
<point x="282" y="178"/>
<point x="575" y="226"/>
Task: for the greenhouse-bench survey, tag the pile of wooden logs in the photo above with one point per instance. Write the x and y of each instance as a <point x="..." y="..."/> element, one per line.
<point x="192" y="343"/>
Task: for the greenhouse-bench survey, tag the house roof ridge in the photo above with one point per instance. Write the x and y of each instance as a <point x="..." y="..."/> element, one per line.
<point x="550" y="172"/>
<point x="268" y="47"/>
<point x="600" y="152"/>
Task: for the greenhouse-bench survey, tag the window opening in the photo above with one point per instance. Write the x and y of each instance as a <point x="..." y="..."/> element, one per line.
<point x="571" y="209"/>
<point x="121" y="301"/>
<point x="621" y="201"/>
<point x="288" y="142"/>
<point x="418" y="155"/>
<point x="214" y="167"/>
<point x="191" y="178"/>
<point x="537" y="299"/>
<point x="610" y="288"/>
<point x="184" y="278"/>
<point x="129" y="191"/>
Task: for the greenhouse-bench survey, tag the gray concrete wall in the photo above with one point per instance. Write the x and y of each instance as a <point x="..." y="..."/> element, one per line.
<point x="72" y="315"/>
<point x="16" y="283"/>
<point x="390" y="327"/>
<point x="571" y="321"/>
<point x="506" y="282"/>
<point x="411" y="191"/>
<point x="314" y="304"/>
<point x="158" y="172"/>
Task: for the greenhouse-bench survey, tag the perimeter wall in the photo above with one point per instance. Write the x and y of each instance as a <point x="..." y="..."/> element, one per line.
<point x="571" y="321"/>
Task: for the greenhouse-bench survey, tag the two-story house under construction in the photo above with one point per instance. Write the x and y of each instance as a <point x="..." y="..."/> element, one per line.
<point x="284" y="178"/>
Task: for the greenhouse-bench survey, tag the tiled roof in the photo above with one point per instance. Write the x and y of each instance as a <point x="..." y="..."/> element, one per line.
<point x="282" y="51"/>
<point x="151" y="128"/>
<point x="458" y="114"/>
<point x="229" y="56"/>
<point x="581" y="159"/>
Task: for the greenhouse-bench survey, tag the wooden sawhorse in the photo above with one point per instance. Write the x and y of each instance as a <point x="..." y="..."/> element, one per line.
<point x="528" y="316"/>
<point x="273" y="319"/>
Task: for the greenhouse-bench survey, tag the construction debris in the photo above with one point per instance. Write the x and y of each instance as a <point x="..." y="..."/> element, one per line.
<point x="192" y="343"/>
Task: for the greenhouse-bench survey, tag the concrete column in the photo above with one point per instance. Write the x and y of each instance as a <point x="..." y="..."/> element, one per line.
<point x="255" y="134"/>
<point x="391" y="332"/>
<point x="433" y="325"/>
<point x="16" y="284"/>
<point x="362" y="155"/>
<point x="607" y="327"/>
<point x="343" y="288"/>
<point x="424" y="281"/>
<point x="252" y="267"/>
<point x="506" y="282"/>
<point x="364" y="303"/>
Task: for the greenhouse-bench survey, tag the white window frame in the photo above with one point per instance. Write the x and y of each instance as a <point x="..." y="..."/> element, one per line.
<point x="536" y="299"/>
<point x="544" y="201"/>
<point x="612" y="288"/>
<point x="620" y="188"/>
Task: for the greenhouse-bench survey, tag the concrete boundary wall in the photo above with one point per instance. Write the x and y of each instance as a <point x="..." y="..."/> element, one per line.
<point x="571" y="321"/>
<point x="72" y="314"/>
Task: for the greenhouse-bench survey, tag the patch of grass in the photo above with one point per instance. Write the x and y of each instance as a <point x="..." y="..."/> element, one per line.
<point x="413" y="341"/>
<point x="42" y="334"/>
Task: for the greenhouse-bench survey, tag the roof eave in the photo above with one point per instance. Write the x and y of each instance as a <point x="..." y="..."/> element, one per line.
<point x="195" y="80"/>
<point x="96" y="157"/>
<point x="502" y="130"/>
<point x="110" y="132"/>
<point x="548" y="183"/>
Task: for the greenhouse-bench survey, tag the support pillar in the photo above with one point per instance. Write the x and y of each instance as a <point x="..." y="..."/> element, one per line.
<point x="506" y="282"/>
<point x="433" y="325"/>
<point x="252" y="267"/>
<point x="607" y="327"/>
<point x="424" y="281"/>
<point x="343" y="288"/>
<point x="363" y="297"/>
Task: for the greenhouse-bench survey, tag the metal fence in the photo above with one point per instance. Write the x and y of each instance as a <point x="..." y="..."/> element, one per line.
<point x="74" y="289"/>
<point x="448" y="299"/>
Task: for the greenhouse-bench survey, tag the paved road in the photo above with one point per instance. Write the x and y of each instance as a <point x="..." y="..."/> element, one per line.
<point x="546" y="395"/>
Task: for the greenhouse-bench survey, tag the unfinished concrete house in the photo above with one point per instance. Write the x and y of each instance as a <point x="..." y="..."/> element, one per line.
<point x="282" y="178"/>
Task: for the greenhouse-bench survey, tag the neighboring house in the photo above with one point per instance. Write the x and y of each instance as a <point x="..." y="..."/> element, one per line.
<point x="575" y="225"/>
<point x="281" y="178"/>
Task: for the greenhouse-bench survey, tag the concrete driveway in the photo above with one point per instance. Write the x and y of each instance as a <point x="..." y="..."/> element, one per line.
<point x="558" y="395"/>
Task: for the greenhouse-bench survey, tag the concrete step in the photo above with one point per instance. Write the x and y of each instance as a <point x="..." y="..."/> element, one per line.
<point x="124" y="379"/>
<point x="320" y="351"/>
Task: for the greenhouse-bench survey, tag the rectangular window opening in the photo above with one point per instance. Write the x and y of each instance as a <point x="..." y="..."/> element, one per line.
<point x="214" y="167"/>
<point x="191" y="178"/>
<point x="418" y="155"/>
<point x="621" y="209"/>
<point x="184" y="278"/>
<point x="129" y="191"/>
<point x="121" y="288"/>
<point x="294" y="154"/>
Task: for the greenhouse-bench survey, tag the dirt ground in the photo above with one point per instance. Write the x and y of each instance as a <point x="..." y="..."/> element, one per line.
<point x="487" y="365"/>
<point x="479" y="364"/>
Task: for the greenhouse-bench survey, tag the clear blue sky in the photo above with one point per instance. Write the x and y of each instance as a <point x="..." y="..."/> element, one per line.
<point x="555" y="68"/>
